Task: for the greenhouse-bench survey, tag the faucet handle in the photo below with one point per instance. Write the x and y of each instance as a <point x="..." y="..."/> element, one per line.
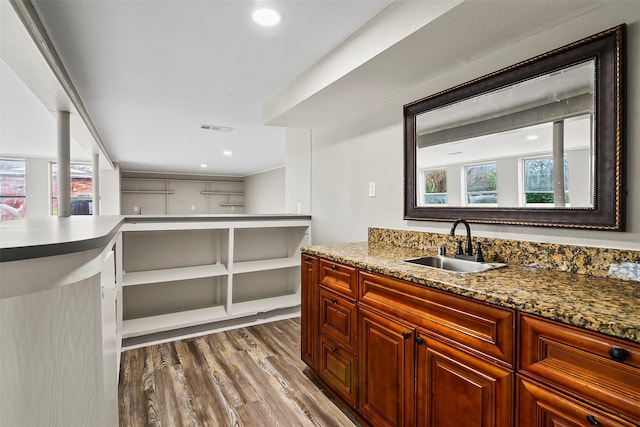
<point x="459" y="250"/>
<point x="479" y="256"/>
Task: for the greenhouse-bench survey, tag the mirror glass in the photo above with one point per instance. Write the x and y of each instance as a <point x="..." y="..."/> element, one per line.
<point x="527" y="145"/>
<point x="537" y="143"/>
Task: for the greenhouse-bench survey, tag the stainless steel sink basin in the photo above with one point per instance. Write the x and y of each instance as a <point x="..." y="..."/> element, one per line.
<point x="454" y="265"/>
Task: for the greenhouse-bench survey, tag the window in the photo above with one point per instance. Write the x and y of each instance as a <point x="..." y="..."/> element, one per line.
<point x="81" y="189"/>
<point x="538" y="181"/>
<point x="12" y="190"/>
<point x="481" y="184"/>
<point x="435" y="186"/>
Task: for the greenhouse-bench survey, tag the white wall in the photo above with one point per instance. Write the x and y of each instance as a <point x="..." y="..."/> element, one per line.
<point x="110" y="191"/>
<point x="367" y="146"/>
<point x="298" y="171"/>
<point x="264" y="192"/>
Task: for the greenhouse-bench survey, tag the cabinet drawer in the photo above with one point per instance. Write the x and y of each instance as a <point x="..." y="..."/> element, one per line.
<point x="480" y="328"/>
<point x="338" y="368"/>
<point x="338" y="319"/>
<point x="541" y="406"/>
<point x="339" y="278"/>
<point x="583" y="364"/>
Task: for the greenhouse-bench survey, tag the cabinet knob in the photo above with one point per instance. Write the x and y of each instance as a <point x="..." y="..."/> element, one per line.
<point x="592" y="420"/>
<point x="618" y="354"/>
<point x="334" y="301"/>
<point x="333" y="349"/>
<point x="406" y="335"/>
<point x="307" y="259"/>
<point x="334" y="267"/>
<point x="419" y="340"/>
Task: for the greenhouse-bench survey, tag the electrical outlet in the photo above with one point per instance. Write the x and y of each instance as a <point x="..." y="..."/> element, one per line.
<point x="372" y="189"/>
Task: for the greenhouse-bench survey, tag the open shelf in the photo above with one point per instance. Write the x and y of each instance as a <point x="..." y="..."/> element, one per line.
<point x="165" y="322"/>
<point x="173" y="274"/>
<point x="264" y="305"/>
<point x="243" y="268"/>
<point x="265" y="264"/>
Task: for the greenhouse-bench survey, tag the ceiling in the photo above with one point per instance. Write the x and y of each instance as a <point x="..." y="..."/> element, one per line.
<point x="150" y="73"/>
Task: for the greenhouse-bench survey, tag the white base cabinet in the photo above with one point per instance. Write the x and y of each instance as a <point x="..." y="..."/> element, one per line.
<point x="182" y="278"/>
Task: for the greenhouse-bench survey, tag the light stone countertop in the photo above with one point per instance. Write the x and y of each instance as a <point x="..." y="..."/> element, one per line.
<point x="605" y="305"/>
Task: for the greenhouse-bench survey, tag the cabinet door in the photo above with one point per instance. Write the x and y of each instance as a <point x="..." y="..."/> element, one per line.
<point x="309" y="312"/>
<point x="386" y="370"/>
<point x="457" y="388"/>
<point x="539" y="406"/>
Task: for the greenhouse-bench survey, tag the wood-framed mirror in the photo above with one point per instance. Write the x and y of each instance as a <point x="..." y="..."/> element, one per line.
<point x="539" y="143"/>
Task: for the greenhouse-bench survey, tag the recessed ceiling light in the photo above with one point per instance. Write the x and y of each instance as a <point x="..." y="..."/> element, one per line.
<point x="266" y="17"/>
<point x="227" y="153"/>
<point x="203" y="165"/>
<point x="532" y="137"/>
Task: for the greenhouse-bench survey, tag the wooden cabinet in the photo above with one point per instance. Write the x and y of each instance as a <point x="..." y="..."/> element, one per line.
<point x="338" y="368"/>
<point x="338" y="364"/>
<point x="588" y="371"/>
<point x="453" y="364"/>
<point x="339" y="278"/>
<point x="541" y="406"/>
<point x="454" y="385"/>
<point x="386" y="370"/>
<point x="309" y="317"/>
<point x="402" y="354"/>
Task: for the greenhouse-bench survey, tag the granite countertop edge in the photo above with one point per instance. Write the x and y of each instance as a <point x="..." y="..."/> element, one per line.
<point x="604" y="305"/>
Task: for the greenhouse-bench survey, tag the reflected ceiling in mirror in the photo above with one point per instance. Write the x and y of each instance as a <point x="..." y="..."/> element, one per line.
<point x="538" y="143"/>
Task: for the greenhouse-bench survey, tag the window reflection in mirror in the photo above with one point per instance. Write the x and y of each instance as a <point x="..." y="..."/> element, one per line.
<point x="500" y="148"/>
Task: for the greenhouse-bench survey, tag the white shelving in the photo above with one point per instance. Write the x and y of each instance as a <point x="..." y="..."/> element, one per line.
<point x="181" y="273"/>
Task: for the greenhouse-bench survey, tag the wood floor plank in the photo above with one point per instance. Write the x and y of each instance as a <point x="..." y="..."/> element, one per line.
<point x="246" y="377"/>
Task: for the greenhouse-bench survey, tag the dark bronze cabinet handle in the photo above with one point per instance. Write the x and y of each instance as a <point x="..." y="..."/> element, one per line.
<point x="593" y="420"/>
<point x="419" y="340"/>
<point x="618" y="354"/>
<point x="334" y="301"/>
<point x="333" y="267"/>
<point x="333" y="349"/>
<point x="307" y="259"/>
<point x="406" y="335"/>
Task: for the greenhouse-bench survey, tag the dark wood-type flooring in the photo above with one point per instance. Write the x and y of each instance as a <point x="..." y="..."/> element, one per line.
<point x="245" y="377"/>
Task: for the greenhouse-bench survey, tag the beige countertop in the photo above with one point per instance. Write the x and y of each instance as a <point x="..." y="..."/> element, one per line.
<point x="605" y="305"/>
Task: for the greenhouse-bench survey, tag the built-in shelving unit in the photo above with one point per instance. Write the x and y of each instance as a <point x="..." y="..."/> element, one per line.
<point x="184" y="277"/>
<point x="149" y="194"/>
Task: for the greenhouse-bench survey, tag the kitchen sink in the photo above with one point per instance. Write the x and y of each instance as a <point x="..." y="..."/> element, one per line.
<point x="454" y="265"/>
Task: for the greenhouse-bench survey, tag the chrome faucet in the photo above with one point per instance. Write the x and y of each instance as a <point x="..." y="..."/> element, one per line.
<point x="468" y="248"/>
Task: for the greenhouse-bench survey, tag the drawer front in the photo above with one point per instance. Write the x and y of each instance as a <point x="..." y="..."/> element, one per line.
<point x="480" y="328"/>
<point x="338" y="319"/>
<point x="338" y="368"/>
<point x="339" y="278"/>
<point x="540" y="406"/>
<point x="582" y="364"/>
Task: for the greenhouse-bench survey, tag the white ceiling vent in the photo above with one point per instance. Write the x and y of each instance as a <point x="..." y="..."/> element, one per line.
<point x="216" y="128"/>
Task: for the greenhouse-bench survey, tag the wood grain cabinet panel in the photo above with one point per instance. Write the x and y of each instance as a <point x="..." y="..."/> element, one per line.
<point x="386" y="370"/>
<point x="602" y="370"/>
<point x="485" y="329"/>
<point x="338" y="319"/>
<point x="339" y="278"/>
<point x="338" y="368"/>
<point x="456" y="388"/>
<point x="540" y="406"/>
<point x="309" y="314"/>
